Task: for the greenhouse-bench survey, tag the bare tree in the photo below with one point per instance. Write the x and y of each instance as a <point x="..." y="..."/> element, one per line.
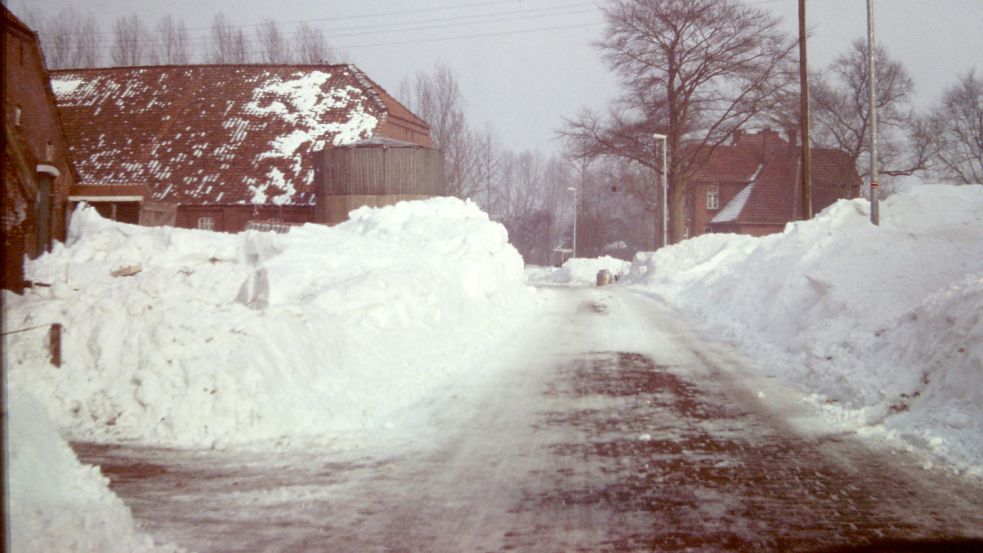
<point x="228" y="44"/>
<point x="273" y="46"/>
<point x="436" y="97"/>
<point x="841" y="112"/>
<point x="69" y="38"/>
<point x="487" y="162"/>
<point x="957" y="126"/>
<point x="310" y="45"/>
<point x="694" y="70"/>
<point x="130" y="41"/>
<point x="86" y="52"/>
<point x="171" y="44"/>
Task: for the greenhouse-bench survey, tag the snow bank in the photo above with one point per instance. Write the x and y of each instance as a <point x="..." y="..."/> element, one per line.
<point x="580" y="271"/>
<point x="884" y="322"/>
<point x="56" y="503"/>
<point x="223" y="339"/>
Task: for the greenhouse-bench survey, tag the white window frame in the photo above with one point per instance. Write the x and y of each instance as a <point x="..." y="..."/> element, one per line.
<point x="713" y="197"/>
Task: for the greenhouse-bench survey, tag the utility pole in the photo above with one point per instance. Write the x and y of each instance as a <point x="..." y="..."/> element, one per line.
<point x="574" y="190"/>
<point x="665" y="188"/>
<point x="875" y="216"/>
<point x="804" y="115"/>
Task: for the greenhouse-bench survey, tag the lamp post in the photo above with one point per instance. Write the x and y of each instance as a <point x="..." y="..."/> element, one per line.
<point x="665" y="189"/>
<point x="872" y="80"/>
<point x="574" y="190"/>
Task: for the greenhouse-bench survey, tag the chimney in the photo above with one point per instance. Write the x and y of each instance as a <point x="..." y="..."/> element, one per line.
<point x="738" y="134"/>
<point x="793" y="136"/>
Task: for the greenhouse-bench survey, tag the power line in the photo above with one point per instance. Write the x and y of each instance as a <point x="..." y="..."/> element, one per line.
<point x="482" y="4"/>
<point x="439" y="23"/>
<point x="463" y="37"/>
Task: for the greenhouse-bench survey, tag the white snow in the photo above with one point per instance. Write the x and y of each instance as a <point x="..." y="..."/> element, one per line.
<point x="65" y="87"/>
<point x="578" y="271"/>
<point x="310" y="106"/>
<point x="884" y="324"/>
<point x="56" y="503"/>
<point x="230" y="339"/>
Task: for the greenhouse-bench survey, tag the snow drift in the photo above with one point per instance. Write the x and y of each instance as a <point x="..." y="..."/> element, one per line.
<point x="56" y="503"/>
<point x="578" y="271"/>
<point x="227" y="339"/>
<point x="884" y="322"/>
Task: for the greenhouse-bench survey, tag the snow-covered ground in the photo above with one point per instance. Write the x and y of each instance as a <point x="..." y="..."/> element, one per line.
<point x="324" y="334"/>
<point x="577" y="271"/>
<point x="883" y="324"/>
<point x="262" y="340"/>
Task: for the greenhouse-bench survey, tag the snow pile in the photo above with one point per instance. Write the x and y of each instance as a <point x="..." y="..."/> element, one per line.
<point x="583" y="270"/>
<point x="56" y="503"/>
<point x="222" y="339"/>
<point x="885" y="323"/>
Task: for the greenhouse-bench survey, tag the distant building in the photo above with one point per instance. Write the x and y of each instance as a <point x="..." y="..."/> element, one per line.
<point x="751" y="186"/>
<point x="236" y="146"/>
<point x="37" y="170"/>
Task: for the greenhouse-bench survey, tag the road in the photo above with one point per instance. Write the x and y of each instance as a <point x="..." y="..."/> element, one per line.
<point x="609" y="427"/>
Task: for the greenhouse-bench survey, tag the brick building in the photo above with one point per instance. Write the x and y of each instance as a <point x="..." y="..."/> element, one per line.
<point x="751" y="186"/>
<point x="233" y="146"/>
<point x="37" y="169"/>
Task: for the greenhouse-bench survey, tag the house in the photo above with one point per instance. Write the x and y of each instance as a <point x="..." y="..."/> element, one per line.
<point x="37" y="169"/>
<point x="234" y="146"/>
<point x="751" y="186"/>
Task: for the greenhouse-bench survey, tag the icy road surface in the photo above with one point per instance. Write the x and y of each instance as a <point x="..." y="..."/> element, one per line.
<point x="608" y="427"/>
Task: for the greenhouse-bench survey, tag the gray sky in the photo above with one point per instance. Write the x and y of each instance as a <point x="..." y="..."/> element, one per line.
<point x="523" y="65"/>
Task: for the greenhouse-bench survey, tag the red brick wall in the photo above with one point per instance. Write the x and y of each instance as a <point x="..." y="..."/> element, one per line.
<point x="701" y="214"/>
<point x="235" y="218"/>
<point x="26" y="87"/>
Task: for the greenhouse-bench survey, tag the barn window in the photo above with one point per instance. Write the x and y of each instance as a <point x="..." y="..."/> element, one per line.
<point x="18" y="112"/>
<point x="206" y="223"/>
<point x="49" y="152"/>
<point x="713" y="197"/>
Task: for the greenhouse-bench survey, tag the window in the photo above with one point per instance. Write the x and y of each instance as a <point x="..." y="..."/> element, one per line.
<point x="713" y="197"/>
<point x="18" y="112"/>
<point x="49" y="152"/>
<point x="206" y="223"/>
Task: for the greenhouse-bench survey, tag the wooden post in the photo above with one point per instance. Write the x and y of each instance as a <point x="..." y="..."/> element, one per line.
<point x="806" y="172"/>
<point x="54" y="344"/>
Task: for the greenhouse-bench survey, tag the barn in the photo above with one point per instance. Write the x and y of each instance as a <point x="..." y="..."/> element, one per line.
<point x="230" y="147"/>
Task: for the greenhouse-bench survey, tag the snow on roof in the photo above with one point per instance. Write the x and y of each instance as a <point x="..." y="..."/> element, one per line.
<point x="733" y="209"/>
<point x="210" y="134"/>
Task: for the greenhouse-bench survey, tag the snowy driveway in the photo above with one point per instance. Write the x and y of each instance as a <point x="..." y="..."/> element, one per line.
<point x="608" y="427"/>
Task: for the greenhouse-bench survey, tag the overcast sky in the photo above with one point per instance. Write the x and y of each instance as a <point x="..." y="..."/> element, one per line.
<point x="523" y="65"/>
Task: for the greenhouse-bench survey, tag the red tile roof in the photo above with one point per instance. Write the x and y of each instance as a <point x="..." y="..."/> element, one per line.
<point x="218" y="134"/>
<point x="770" y="167"/>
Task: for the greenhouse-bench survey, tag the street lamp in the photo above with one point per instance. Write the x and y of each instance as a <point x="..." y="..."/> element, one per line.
<point x="665" y="189"/>
<point x="574" y="190"/>
<point x="872" y="85"/>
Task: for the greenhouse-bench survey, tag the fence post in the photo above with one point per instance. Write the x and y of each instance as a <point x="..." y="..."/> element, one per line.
<point x="54" y="345"/>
